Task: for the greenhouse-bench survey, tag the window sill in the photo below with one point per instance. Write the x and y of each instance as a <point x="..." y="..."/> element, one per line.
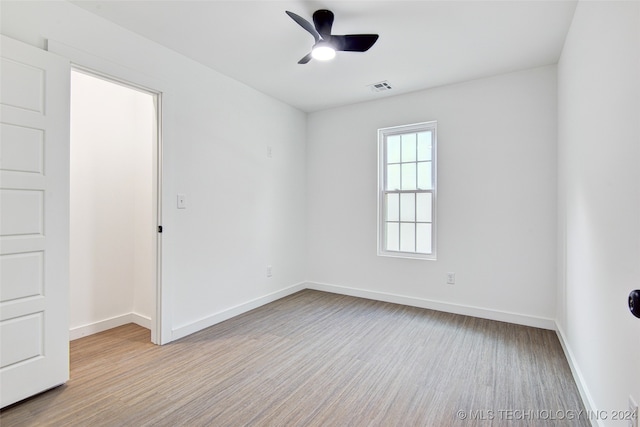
<point x="408" y="255"/>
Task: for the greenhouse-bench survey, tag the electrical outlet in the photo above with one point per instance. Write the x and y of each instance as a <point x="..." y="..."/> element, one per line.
<point x="633" y="411"/>
<point x="451" y="278"/>
<point x="269" y="271"/>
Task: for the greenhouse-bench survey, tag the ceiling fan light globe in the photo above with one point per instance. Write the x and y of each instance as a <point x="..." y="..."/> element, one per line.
<point x="323" y="52"/>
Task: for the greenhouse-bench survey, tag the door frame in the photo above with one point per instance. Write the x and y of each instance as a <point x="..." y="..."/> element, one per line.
<point x="102" y="68"/>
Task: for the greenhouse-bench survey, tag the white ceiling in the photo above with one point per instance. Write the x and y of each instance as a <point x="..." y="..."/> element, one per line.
<point x="422" y="44"/>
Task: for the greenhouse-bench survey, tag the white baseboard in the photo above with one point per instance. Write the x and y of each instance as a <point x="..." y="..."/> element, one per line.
<point x="221" y="316"/>
<point x="577" y="375"/>
<point x="141" y="320"/>
<point x="503" y="316"/>
<point x="113" y="322"/>
<point x="183" y="331"/>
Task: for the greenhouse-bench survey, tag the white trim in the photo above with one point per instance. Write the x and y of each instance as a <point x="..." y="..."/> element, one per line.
<point x="466" y="310"/>
<point x="221" y="316"/>
<point x="160" y="329"/>
<point x="113" y="322"/>
<point x="587" y="400"/>
<point x="107" y="69"/>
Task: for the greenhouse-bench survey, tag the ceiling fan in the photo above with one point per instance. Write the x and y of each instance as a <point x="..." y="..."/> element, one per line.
<point x="326" y="43"/>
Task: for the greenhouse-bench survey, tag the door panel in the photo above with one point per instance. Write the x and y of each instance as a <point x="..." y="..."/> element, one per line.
<point x="26" y="85"/>
<point x="34" y="221"/>
<point x="22" y="212"/>
<point x="22" y="149"/>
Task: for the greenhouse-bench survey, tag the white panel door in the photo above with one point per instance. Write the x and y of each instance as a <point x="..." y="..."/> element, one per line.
<point x="34" y="220"/>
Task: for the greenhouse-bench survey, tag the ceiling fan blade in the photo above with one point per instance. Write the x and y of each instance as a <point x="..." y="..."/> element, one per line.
<point x="305" y="59"/>
<point x="323" y="20"/>
<point x="354" y="42"/>
<point x="304" y="24"/>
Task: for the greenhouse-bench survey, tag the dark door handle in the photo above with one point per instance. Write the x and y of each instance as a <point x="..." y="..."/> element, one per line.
<point x="634" y="302"/>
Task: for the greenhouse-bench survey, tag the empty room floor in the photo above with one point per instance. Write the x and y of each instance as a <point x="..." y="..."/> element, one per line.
<point x="317" y="359"/>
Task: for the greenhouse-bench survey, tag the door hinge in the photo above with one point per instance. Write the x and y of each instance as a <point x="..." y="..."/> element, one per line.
<point x="159" y="229"/>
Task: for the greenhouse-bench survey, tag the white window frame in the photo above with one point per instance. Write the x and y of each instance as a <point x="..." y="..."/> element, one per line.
<point x="383" y="134"/>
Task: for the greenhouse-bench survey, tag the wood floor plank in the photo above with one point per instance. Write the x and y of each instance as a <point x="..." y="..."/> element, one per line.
<point x="315" y="359"/>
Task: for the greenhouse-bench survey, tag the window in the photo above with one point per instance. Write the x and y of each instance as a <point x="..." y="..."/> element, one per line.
<point x="407" y="191"/>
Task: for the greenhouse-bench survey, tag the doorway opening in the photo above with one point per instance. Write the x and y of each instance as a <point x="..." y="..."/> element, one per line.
<point x="114" y="205"/>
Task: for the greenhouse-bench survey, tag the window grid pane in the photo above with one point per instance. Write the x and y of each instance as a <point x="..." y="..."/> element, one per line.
<point x="393" y="177"/>
<point x="425" y="176"/>
<point x="408" y="177"/>
<point x="423" y="238"/>
<point x="409" y="149"/>
<point x="393" y="207"/>
<point x="393" y="149"/>
<point x="407" y="207"/>
<point x="393" y="236"/>
<point x="424" y="206"/>
<point x="424" y="146"/>
<point x="407" y="237"/>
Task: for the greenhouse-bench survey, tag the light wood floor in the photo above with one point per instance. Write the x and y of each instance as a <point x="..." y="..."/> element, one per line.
<point x="316" y="359"/>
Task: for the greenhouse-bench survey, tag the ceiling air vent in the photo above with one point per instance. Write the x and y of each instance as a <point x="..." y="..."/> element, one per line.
<point x="380" y="86"/>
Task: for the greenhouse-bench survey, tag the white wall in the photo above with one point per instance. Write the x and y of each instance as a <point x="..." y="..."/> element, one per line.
<point x="245" y="210"/>
<point x="496" y="198"/>
<point x="599" y="199"/>
<point x="112" y="217"/>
